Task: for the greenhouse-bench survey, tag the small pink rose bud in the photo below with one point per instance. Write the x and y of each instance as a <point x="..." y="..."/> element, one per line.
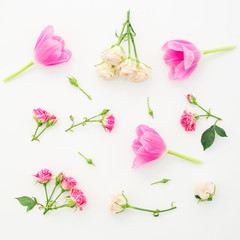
<point x="41" y="116"/>
<point x="77" y="199"/>
<point x="68" y="183"/>
<point x="191" y="99"/>
<point x="108" y="122"/>
<point x="59" y="178"/>
<point x="43" y="176"/>
<point x="188" y="121"/>
<point x="52" y="120"/>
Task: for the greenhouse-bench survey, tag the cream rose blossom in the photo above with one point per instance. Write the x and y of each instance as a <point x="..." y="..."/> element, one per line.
<point x="114" y="56"/>
<point x="116" y="203"/>
<point x="133" y="71"/>
<point x="106" y="71"/>
<point x="205" y="190"/>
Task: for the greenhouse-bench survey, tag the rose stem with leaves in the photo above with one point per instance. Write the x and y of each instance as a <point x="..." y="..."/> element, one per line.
<point x="219" y="49"/>
<point x="150" y="112"/>
<point x="18" y="72"/>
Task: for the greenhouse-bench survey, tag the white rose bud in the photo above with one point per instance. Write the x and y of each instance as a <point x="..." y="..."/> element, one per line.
<point x="114" y="55"/>
<point x="134" y="72"/>
<point x="205" y="190"/>
<point x="106" y="71"/>
<point x="116" y="203"/>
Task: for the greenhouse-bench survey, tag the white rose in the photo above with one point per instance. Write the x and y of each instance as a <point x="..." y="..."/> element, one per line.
<point x="106" y="71"/>
<point x="116" y="203"/>
<point x="205" y="190"/>
<point x="114" y="55"/>
<point x="134" y="72"/>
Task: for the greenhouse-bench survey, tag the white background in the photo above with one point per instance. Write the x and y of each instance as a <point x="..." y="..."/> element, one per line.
<point x="88" y="27"/>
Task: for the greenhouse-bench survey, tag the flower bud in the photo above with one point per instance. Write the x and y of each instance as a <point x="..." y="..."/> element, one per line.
<point x="52" y="120"/>
<point x="191" y="99"/>
<point x="104" y="111"/>
<point x="73" y="81"/>
<point x="59" y="178"/>
<point x="114" y="56"/>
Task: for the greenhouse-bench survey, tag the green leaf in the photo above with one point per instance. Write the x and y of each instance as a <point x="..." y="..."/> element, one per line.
<point x="27" y="202"/>
<point x="196" y="196"/>
<point x="220" y="131"/>
<point x="164" y="180"/>
<point x="208" y="137"/>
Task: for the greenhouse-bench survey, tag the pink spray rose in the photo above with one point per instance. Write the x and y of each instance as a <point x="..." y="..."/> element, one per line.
<point x="108" y="122"/>
<point x="41" y="116"/>
<point x="189" y="98"/>
<point x="188" y="121"/>
<point x="43" y="176"/>
<point x="49" y="49"/>
<point x="182" y="56"/>
<point x="148" y="146"/>
<point x="78" y="199"/>
<point x="68" y="183"/>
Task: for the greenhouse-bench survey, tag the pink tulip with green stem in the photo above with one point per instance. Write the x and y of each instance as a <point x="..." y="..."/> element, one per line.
<point x="150" y="146"/>
<point x="49" y="50"/>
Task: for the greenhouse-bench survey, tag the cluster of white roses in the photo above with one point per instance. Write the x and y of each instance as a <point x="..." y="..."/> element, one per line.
<point x="115" y="62"/>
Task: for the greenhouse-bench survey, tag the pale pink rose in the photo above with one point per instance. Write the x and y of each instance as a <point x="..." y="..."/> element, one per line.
<point x="188" y="121"/>
<point x="148" y="146"/>
<point x="68" y="183"/>
<point x="108" y="122"/>
<point x="182" y="56"/>
<point x="205" y="190"/>
<point x="41" y="116"/>
<point x="43" y="176"/>
<point x="78" y="198"/>
<point x="52" y="120"/>
<point x="49" y="49"/>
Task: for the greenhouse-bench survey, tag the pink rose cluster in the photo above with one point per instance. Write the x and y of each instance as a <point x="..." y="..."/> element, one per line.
<point x="76" y="198"/>
<point x="42" y="117"/>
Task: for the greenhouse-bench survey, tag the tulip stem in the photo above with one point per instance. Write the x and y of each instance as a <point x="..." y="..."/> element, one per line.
<point x="184" y="157"/>
<point x="18" y="72"/>
<point x="219" y="49"/>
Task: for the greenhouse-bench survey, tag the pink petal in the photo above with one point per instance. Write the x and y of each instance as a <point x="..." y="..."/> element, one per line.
<point x="47" y="33"/>
<point x="188" y="58"/>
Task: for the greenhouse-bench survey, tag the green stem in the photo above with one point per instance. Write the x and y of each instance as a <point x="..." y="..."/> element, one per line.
<point x="36" y="138"/>
<point x="65" y="205"/>
<point x="34" y="135"/>
<point x="155" y="212"/>
<point x="208" y="113"/>
<point x="121" y="35"/>
<point x="18" y="72"/>
<point x="49" y="208"/>
<point x="184" y="157"/>
<point x="85" y="121"/>
<point x="85" y="93"/>
<point x="52" y="193"/>
<point x="135" y="49"/>
<point x="45" y="188"/>
<point x="150" y="112"/>
<point x="129" y="34"/>
<point x="219" y="49"/>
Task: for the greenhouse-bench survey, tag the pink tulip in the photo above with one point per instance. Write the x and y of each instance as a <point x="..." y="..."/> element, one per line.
<point x="182" y="56"/>
<point x="41" y="116"/>
<point x="150" y="146"/>
<point x="108" y="122"/>
<point x="188" y="121"/>
<point x="68" y="183"/>
<point x="43" y="176"/>
<point x="48" y="51"/>
<point x="78" y="198"/>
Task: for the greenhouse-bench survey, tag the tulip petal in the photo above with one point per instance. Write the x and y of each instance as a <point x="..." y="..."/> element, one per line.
<point x="47" y="33"/>
<point x="188" y="58"/>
